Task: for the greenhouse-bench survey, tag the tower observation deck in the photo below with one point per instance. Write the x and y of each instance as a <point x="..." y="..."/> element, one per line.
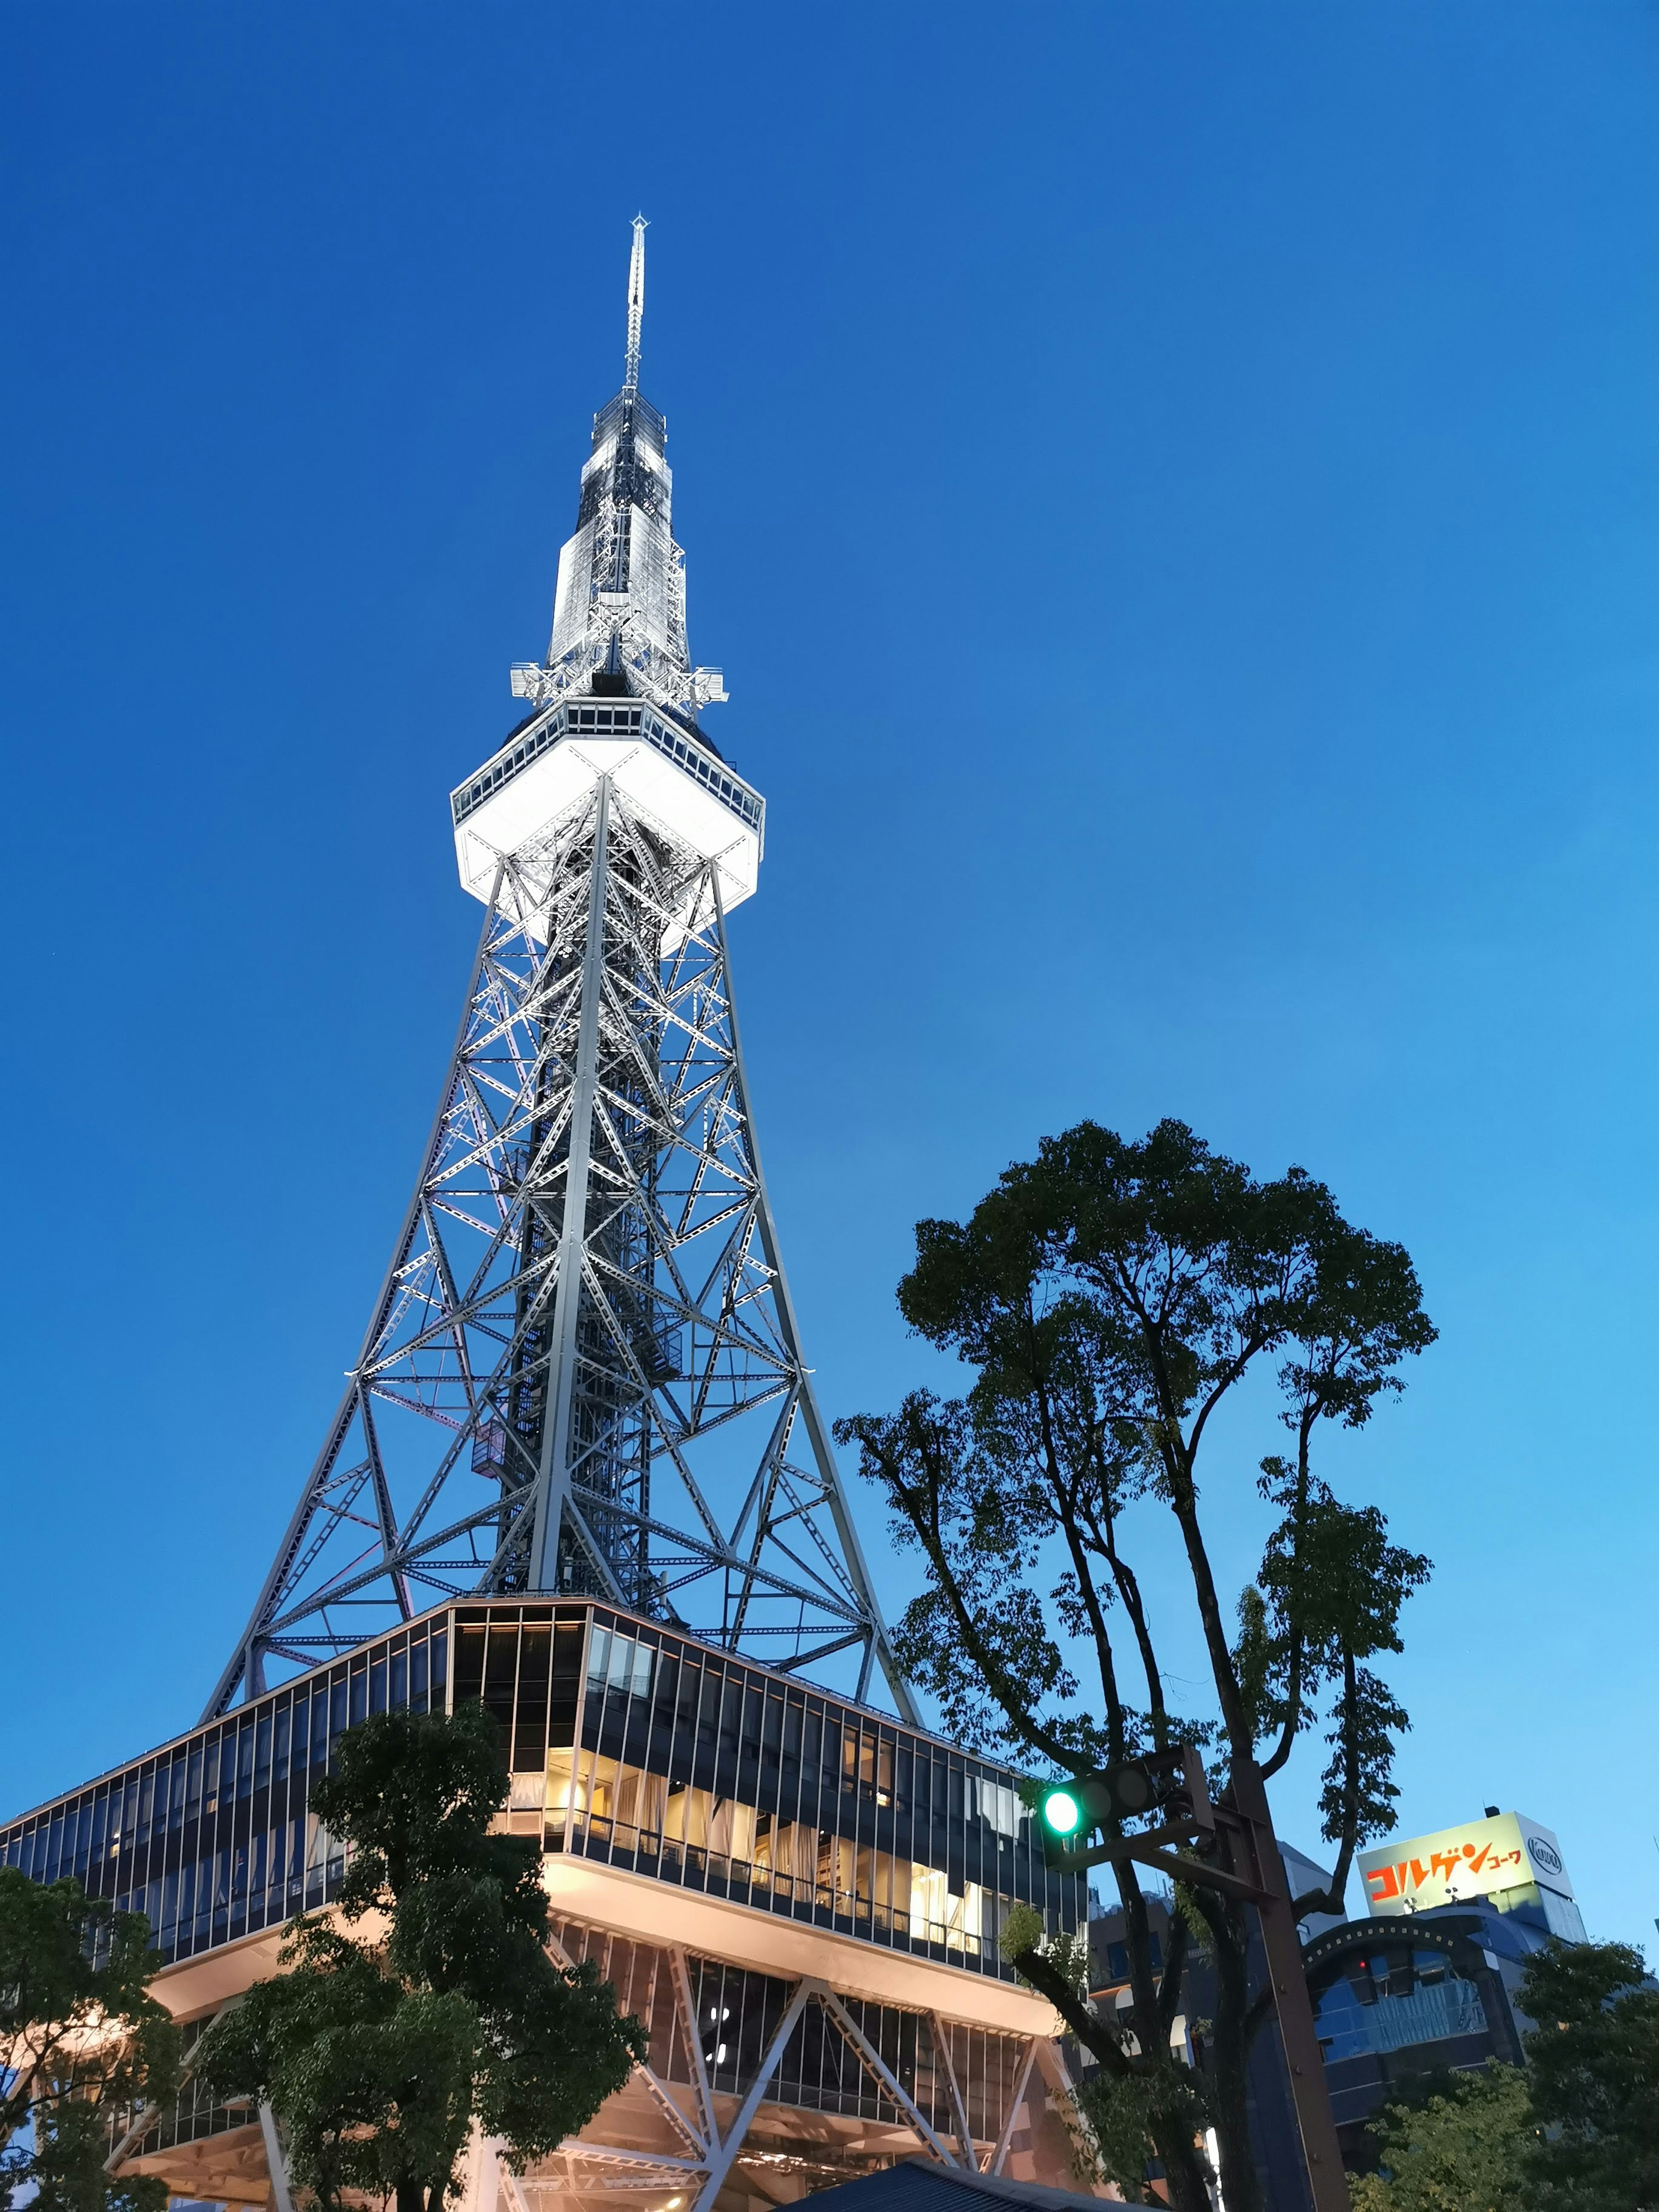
<point x="582" y="1375"/>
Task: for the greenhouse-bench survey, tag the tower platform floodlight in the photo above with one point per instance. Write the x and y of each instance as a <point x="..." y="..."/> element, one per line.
<point x="582" y="1374"/>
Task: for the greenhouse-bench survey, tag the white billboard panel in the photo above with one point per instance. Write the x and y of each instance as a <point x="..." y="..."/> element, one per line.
<point x="1477" y="1859"/>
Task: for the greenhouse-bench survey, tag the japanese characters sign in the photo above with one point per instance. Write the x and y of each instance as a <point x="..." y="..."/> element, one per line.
<point x="1507" y="1852"/>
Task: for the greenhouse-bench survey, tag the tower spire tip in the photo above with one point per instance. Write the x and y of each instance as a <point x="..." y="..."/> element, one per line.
<point x="635" y="305"/>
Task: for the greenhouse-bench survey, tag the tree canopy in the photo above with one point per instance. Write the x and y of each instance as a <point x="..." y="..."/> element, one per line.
<point x="1593" y="2071"/>
<point x="1461" y="2149"/>
<point x="377" y="2051"/>
<point x="86" y="2044"/>
<point x="1109" y="1299"/>
<point x="1576" y="2131"/>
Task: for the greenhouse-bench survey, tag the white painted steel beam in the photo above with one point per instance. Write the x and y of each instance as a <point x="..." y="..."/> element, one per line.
<point x="721" y="2164"/>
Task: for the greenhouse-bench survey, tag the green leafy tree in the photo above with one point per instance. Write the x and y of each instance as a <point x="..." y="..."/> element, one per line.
<point x="1593" y="2069"/>
<point x="1112" y="1298"/>
<point x="1462" y="2148"/>
<point x="378" y="2051"/>
<point x="84" y="2043"/>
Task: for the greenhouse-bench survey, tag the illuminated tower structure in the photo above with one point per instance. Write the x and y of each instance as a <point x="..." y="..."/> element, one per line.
<point x="582" y="1373"/>
<point x="579" y="1474"/>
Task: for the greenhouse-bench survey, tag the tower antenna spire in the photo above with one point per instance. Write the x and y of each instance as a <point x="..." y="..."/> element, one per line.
<point x="635" y="305"/>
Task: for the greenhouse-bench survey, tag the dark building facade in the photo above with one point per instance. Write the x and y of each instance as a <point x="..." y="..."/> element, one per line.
<point x="1275" y="2137"/>
<point x="1394" y="1999"/>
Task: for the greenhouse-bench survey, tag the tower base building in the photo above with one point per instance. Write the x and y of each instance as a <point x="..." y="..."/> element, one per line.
<point x="798" y="1897"/>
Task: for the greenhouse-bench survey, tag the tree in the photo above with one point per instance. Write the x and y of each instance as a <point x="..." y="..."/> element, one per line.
<point x="378" y="2051"/>
<point x="1462" y="2148"/>
<point x="84" y="2043"/>
<point x="1111" y="1298"/>
<point x="1593" y="2067"/>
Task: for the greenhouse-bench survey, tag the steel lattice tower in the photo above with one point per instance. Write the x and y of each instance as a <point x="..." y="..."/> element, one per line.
<point x="582" y="1372"/>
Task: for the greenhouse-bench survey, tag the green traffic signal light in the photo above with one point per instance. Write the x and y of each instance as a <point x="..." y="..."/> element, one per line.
<point x="1062" y="1811"/>
<point x="1068" y="1813"/>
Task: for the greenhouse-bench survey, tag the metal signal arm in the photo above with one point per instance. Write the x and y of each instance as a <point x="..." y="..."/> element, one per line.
<point x="1185" y="1794"/>
<point x="1241" y="1827"/>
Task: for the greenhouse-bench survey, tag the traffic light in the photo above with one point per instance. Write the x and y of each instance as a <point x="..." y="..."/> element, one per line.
<point x="1170" y="1781"/>
<point x="1060" y="1810"/>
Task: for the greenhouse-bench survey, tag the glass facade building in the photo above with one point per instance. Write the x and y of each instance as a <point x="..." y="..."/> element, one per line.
<point x="629" y="1744"/>
<point x="1397" y="1998"/>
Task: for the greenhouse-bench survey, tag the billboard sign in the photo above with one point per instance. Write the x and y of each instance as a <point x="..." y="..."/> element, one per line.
<point x="1478" y="1859"/>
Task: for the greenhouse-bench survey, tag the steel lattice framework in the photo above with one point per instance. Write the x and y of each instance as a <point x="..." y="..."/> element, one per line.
<point x="583" y="1371"/>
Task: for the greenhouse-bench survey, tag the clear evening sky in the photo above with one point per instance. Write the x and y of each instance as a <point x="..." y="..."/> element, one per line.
<point x="1175" y="493"/>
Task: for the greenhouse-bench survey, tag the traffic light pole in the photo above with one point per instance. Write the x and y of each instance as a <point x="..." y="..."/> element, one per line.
<point x="1241" y="1824"/>
<point x="1297" y="2031"/>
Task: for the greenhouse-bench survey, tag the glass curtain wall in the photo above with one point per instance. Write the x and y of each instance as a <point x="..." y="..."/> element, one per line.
<point x="628" y="1744"/>
<point x="211" y="1838"/>
<point x="1395" y="2000"/>
<point x="646" y="1750"/>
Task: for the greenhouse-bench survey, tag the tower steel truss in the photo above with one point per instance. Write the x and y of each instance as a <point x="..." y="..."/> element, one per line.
<point x="583" y="1371"/>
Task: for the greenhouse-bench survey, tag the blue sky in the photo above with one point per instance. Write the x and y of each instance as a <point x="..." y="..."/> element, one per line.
<point x="1175" y="493"/>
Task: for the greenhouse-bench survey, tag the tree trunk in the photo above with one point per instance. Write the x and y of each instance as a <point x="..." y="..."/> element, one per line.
<point x="1240" y="2187"/>
<point x="1183" y="2168"/>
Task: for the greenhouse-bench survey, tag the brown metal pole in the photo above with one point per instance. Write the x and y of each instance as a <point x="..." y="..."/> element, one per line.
<point x="1325" y="2179"/>
<point x="1244" y="1818"/>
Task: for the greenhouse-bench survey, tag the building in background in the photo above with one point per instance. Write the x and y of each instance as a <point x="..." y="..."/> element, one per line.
<point x="1426" y="1981"/>
<point x="1429" y="1980"/>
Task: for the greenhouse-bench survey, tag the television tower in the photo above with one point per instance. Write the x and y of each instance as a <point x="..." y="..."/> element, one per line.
<point x="582" y="1373"/>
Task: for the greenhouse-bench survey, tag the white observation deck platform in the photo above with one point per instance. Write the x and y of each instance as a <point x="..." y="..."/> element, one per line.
<point x="663" y="769"/>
